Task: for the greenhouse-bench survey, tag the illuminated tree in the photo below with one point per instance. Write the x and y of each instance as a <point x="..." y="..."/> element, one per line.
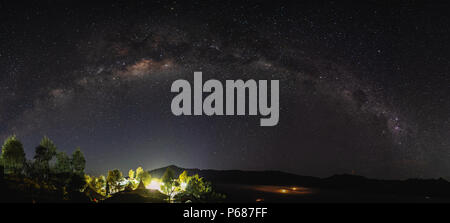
<point x="143" y="176"/>
<point x="170" y="184"/>
<point x="114" y="178"/>
<point x="13" y="156"/>
<point x="183" y="178"/>
<point x="78" y="162"/>
<point x="146" y="178"/>
<point x="199" y="190"/>
<point x="131" y="174"/>
<point x="133" y="183"/>
<point x="139" y="172"/>
<point x="89" y="179"/>
<point x="100" y="185"/>
<point x="196" y="187"/>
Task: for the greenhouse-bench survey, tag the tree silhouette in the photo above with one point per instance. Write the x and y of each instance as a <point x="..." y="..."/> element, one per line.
<point x="63" y="163"/>
<point x="78" y="162"/>
<point x="13" y="156"/>
<point x="43" y="154"/>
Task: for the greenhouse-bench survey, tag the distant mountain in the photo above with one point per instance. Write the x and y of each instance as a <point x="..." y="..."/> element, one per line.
<point x="345" y="182"/>
<point x="242" y="177"/>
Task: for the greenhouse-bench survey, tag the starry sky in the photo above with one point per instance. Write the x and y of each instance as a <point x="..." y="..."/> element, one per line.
<point x="364" y="87"/>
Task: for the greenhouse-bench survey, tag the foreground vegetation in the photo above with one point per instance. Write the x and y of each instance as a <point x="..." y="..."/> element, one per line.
<point x="54" y="176"/>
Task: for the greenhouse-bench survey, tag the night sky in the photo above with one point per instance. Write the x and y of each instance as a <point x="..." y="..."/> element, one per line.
<point x="364" y="87"/>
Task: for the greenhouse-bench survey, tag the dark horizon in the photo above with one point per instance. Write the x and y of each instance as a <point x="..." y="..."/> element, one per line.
<point x="364" y="87"/>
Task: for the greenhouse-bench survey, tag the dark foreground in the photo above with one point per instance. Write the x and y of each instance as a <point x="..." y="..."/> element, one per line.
<point x="255" y="187"/>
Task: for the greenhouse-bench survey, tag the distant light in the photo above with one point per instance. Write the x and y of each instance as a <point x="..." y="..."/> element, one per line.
<point x="259" y="199"/>
<point x="283" y="191"/>
<point x="294" y="188"/>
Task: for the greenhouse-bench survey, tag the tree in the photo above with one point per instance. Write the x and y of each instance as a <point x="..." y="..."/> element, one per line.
<point x="78" y="162"/>
<point x="183" y="178"/>
<point x="146" y="178"/>
<point x="100" y="185"/>
<point x="45" y="151"/>
<point x="62" y="171"/>
<point x="41" y="164"/>
<point x="13" y="156"/>
<point x="143" y="176"/>
<point x="139" y="172"/>
<point x="113" y="179"/>
<point x="131" y="174"/>
<point x="43" y="154"/>
<point x="201" y="191"/>
<point x="50" y="146"/>
<point x="196" y="187"/>
<point x="133" y="183"/>
<point x="170" y="184"/>
<point x="63" y="163"/>
<point x="89" y="180"/>
<point x="97" y="184"/>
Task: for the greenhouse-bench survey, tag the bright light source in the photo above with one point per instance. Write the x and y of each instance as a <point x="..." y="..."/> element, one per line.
<point x="154" y="185"/>
<point x="183" y="186"/>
